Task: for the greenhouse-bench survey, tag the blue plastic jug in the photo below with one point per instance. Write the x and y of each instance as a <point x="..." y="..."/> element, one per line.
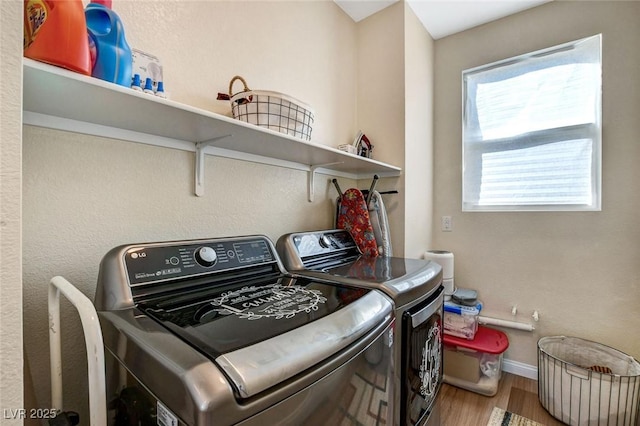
<point x="113" y="60"/>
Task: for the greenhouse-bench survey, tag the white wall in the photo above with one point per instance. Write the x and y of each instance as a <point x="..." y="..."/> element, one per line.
<point x="381" y="104"/>
<point x="84" y="195"/>
<point x="418" y="119"/>
<point x="10" y="198"/>
<point x="304" y="49"/>
<point x="395" y="110"/>
<point x="579" y="270"/>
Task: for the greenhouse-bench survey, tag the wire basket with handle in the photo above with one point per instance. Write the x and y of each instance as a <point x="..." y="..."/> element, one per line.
<point x="272" y="110"/>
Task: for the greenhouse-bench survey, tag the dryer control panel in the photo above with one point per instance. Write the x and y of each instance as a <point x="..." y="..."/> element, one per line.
<point x="317" y="243"/>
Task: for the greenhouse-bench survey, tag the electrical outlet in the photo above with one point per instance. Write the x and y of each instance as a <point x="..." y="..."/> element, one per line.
<point x="446" y="223"/>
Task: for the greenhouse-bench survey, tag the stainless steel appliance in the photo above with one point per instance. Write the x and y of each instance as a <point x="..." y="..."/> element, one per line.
<point x="416" y="289"/>
<point x="204" y="332"/>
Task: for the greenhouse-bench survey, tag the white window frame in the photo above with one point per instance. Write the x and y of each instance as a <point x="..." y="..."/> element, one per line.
<point x="473" y="147"/>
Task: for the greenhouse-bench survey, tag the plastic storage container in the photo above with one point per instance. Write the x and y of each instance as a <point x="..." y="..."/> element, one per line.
<point x="475" y="365"/>
<point x="586" y="383"/>
<point x="461" y="320"/>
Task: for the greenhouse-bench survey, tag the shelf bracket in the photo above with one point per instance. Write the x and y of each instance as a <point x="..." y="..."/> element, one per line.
<point x="312" y="178"/>
<point x="199" y="177"/>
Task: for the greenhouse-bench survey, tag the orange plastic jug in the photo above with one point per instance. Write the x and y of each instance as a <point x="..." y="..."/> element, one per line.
<point x="55" y="32"/>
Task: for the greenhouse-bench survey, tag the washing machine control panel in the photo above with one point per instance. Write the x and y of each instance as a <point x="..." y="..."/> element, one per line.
<point x="150" y="263"/>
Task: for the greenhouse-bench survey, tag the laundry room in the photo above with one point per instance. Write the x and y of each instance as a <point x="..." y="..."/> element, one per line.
<point x="90" y="173"/>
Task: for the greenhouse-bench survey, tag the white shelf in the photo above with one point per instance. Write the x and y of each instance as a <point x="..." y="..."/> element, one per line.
<point x="60" y="99"/>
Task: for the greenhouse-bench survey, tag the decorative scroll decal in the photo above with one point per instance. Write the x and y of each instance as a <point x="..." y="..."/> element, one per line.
<point x="430" y="368"/>
<point x="271" y="301"/>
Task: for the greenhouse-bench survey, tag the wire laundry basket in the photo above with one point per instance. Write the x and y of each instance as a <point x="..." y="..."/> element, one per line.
<point x="586" y="383"/>
<point x="272" y="110"/>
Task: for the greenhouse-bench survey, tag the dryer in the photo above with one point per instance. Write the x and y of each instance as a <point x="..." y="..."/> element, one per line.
<point x="415" y="286"/>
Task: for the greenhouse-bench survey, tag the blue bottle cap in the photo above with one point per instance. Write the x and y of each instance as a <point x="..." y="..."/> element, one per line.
<point x="136" y="80"/>
<point x="148" y="85"/>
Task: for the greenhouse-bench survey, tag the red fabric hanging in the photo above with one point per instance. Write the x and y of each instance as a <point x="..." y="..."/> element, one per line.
<point x="353" y="216"/>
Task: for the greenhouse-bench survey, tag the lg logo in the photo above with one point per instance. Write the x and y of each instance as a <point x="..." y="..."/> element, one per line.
<point x="136" y="255"/>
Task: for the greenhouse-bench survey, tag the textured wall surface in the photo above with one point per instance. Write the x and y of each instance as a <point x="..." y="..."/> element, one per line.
<point x="580" y="270"/>
<point x="395" y="110"/>
<point x="10" y="183"/>
<point x="418" y="144"/>
<point x="303" y="49"/>
<point x="381" y="103"/>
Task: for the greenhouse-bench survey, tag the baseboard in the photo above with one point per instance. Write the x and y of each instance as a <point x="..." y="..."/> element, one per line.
<point x="520" y="369"/>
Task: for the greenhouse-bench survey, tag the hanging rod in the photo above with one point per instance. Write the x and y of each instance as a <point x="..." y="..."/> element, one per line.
<point x="374" y="182"/>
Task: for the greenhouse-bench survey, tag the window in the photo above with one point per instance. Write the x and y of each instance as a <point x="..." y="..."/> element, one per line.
<point x="532" y="131"/>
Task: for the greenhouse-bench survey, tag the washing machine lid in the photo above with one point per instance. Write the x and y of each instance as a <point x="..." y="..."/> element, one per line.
<point x="263" y="332"/>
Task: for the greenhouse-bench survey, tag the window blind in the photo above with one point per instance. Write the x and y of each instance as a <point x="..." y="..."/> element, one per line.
<point x="531" y="131"/>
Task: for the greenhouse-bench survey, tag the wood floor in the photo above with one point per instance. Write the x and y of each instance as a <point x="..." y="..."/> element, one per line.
<point x="459" y="407"/>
